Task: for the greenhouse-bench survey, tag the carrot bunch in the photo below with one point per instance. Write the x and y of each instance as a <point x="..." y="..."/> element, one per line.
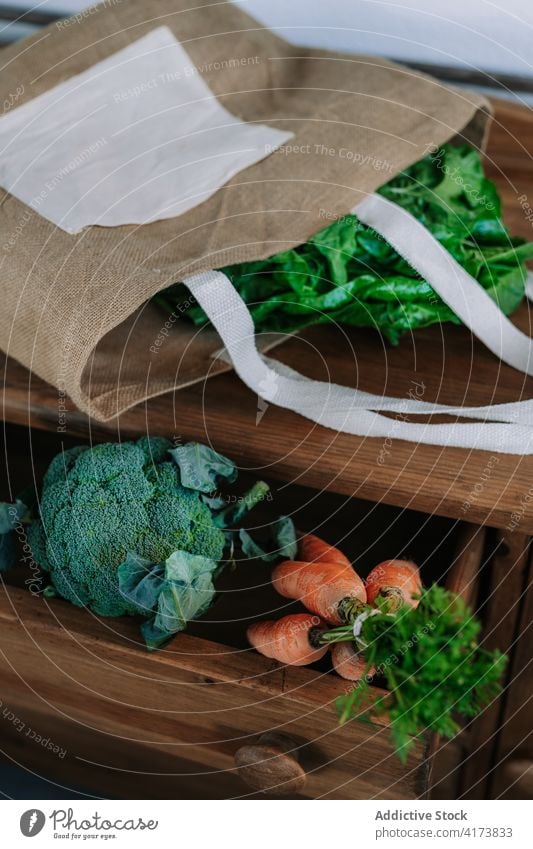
<point x="423" y="643"/>
<point x="397" y="582"/>
<point x="325" y="582"/>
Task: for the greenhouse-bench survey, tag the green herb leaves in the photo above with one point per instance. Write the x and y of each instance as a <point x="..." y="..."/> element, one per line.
<point x="433" y="666"/>
<point x="350" y="275"/>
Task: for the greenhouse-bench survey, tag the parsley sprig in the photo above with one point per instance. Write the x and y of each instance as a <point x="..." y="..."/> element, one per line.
<point x="433" y="665"/>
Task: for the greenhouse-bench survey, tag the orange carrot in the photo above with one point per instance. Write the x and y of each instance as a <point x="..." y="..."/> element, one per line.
<point x="315" y="550"/>
<point x="348" y="662"/>
<point x="333" y="591"/>
<point x="292" y="640"/>
<point x="397" y="581"/>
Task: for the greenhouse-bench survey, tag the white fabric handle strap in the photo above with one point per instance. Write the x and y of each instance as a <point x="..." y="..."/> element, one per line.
<point x="510" y="426"/>
<point x="458" y="289"/>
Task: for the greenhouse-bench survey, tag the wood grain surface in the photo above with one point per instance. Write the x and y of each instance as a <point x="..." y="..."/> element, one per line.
<point x="445" y="757"/>
<point x="196" y="702"/>
<point x="177" y="718"/>
<point x="507" y="582"/>
<point x="185" y="712"/>
<point x="451" y="366"/>
<point x="512" y="773"/>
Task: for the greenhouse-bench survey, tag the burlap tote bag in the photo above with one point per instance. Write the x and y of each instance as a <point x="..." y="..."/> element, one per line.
<point x="76" y="305"/>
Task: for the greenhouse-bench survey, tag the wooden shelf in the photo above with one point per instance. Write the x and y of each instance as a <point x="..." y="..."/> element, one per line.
<point x="89" y="683"/>
<point x="451" y="366"/>
<point x="189" y="707"/>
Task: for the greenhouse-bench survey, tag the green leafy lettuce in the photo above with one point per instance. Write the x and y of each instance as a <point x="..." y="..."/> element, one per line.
<point x="348" y="274"/>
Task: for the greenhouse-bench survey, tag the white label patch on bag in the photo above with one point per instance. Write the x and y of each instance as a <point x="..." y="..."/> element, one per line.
<point x="136" y="138"/>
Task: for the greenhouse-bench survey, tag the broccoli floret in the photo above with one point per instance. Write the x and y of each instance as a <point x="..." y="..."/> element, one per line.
<point x="100" y="503"/>
<point x="61" y="464"/>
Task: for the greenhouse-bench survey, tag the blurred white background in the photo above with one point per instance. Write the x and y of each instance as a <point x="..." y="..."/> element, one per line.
<point x="490" y="36"/>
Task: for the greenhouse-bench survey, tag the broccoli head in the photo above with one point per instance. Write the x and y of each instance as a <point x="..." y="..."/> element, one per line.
<point x="100" y="503"/>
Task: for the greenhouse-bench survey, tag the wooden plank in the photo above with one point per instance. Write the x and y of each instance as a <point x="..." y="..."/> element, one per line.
<point x="446" y="769"/>
<point x="500" y="612"/>
<point x="195" y="700"/>
<point x="463" y="577"/>
<point x="103" y="766"/>
<point x="193" y="704"/>
<point x="470" y="77"/>
<point x="512" y="774"/>
<point x="445" y="756"/>
<point x="447" y="362"/>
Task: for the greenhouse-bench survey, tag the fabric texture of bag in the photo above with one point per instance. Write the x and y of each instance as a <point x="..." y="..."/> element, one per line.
<point x="76" y="307"/>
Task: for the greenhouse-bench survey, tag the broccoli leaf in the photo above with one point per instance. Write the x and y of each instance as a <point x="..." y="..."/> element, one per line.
<point x="187" y="592"/>
<point x="202" y="468"/>
<point x="239" y="506"/>
<point x="11" y="515"/>
<point x="175" y="592"/>
<point x="140" y="582"/>
<point x="216" y="503"/>
<point x="182" y="567"/>
<point x="8" y="551"/>
<point x="281" y="542"/>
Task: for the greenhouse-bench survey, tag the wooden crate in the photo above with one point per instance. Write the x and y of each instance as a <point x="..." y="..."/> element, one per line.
<point x="90" y="685"/>
<point x="66" y="672"/>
